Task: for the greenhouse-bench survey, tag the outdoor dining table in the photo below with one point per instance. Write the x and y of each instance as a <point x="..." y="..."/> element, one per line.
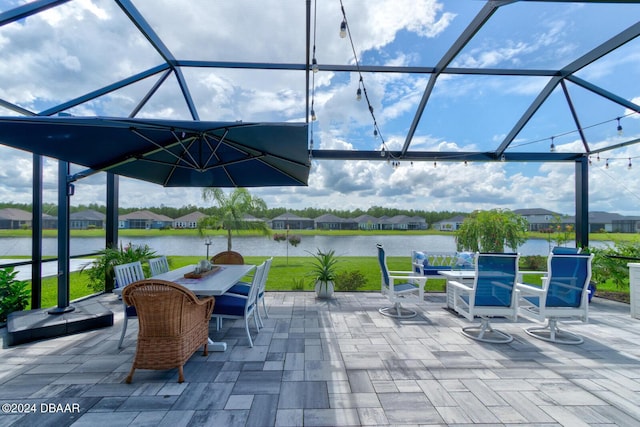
<point x="463" y="276"/>
<point x="213" y="284"/>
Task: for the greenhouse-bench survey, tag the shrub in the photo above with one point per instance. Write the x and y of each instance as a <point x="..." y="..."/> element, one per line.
<point x="298" y="284"/>
<point x="100" y="271"/>
<point x="14" y="294"/>
<point x="349" y="281"/>
<point x="533" y="263"/>
<point x="611" y="263"/>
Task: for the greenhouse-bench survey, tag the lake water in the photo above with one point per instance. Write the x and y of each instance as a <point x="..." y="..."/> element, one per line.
<point x="395" y="245"/>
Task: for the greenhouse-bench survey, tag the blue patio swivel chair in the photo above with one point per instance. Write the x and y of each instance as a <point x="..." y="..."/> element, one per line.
<point x="564" y="294"/>
<point x="399" y="287"/>
<point x="492" y="295"/>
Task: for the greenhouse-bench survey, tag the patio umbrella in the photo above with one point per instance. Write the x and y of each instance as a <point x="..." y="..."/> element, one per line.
<point x="171" y="153"/>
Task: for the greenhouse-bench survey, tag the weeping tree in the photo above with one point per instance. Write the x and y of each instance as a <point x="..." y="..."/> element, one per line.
<point x="491" y="231"/>
<point x="231" y="212"/>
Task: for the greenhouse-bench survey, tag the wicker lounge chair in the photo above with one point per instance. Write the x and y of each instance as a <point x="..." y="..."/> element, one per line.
<point x="173" y="324"/>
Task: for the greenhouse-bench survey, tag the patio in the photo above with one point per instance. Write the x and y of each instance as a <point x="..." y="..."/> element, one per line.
<point x="338" y="362"/>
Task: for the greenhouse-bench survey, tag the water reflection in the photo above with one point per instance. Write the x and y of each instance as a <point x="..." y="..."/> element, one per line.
<point x="395" y="245"/>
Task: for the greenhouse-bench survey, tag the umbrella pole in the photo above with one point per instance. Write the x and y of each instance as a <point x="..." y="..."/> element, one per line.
<point x="65" y="190"/>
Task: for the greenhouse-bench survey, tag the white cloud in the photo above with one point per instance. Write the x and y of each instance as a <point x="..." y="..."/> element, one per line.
<point x="82" y="46"/>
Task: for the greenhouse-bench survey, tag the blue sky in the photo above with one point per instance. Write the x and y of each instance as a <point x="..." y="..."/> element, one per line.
<point x="84" y="45"/>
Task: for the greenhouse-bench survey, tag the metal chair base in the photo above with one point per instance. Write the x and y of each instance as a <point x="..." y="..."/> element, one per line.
<point x="551" y="333"/>
<point x="485" y="333"/>
<point x="398" y="311"/>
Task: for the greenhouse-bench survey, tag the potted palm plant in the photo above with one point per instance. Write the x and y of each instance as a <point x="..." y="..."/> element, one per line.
<point x="323" y="269"/>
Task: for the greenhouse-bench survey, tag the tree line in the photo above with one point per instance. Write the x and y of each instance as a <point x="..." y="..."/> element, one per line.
<point x="173" y="212"/>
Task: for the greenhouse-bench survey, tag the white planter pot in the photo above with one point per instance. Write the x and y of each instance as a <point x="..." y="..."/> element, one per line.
<point x="324" y="289"/>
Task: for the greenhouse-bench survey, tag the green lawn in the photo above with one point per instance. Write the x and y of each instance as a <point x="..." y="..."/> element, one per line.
<point x="282" y="276"/>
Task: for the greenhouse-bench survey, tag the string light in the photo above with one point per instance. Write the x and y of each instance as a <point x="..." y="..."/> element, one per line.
<point x="606" y="164"/>
<point x="503" y="158"/>
<point x="314" y="65"/>
<point x="629" y="165"/>
<point x="619" y="128"/>
<point x="362" y="89"/>
<point x="313" y="115"/>
<point x="435" y="164"/>
<point x="465" y="163"/>
<point x="553" y="146"/>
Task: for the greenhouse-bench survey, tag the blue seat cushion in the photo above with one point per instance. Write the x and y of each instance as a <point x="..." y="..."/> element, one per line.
<point x="240" y="288"/>
<point x="432" y="270"/>
<point x="229" y="305"/>
<point x="131" y="311"/>
<point x="400" y="287"/>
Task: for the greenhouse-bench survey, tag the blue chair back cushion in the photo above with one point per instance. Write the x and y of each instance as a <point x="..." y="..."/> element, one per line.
<point x="568" y="277"/>
<point x="383" y="264"/>
<point x="495" y="281"/>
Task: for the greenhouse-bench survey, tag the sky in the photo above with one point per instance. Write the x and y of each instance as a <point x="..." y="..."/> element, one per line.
<point x="83" y="45"/>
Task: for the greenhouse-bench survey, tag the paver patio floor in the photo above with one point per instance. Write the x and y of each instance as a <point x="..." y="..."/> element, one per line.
<point x="337" y="363"/>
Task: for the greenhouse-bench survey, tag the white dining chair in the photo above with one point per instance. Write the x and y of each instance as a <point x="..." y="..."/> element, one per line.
<point x="158" y="265"/>
<point x="125" y="275"/>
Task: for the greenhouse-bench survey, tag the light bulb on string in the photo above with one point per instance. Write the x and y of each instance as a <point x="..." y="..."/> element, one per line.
<point x="598" y="157"/>
<point x="343" y="29"/>
<point x="606" y="164"/>
<point x="375" y="133"/>
<point x="629" y="165"/>
<point x="435" y="164"/>
<point x="382" y="152"/>
<point x="552" y="148"/>
<point x="589" y="160"/>
<point x="313" y="115"/>
<point x="619" y="128"/>
<point x="503" y="158"/>
<point x="465" y="163"/>
<point x="359" y="94"/>
<point x="314" y="65"/>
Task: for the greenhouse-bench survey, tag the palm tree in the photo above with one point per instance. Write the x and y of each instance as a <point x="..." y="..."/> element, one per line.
<point x="232" y="208"/>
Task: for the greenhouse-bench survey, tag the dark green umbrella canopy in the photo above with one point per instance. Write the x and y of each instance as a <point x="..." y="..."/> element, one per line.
<point x="171" y="153"/>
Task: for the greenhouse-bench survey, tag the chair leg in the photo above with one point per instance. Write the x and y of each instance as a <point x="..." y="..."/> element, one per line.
<point x="264" y="306"/>
<point x="124" y="330"/>
<point x="398" y="311"/>
<point x="552" y="333"/>
<point x="246" y="327"/>
<point x="259" y="317"/>
<point x="484" y="333"/>
<point x="206" y="349"/>
<point x="130" y="376"/>
<point x="180" y="374"/>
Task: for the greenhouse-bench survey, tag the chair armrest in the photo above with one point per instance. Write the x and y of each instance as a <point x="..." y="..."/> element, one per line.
<point x="529" y="290"/>
<point x="459" y="285"/>
<point x="401" y="272"/>
<point x="421" y="279"/>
